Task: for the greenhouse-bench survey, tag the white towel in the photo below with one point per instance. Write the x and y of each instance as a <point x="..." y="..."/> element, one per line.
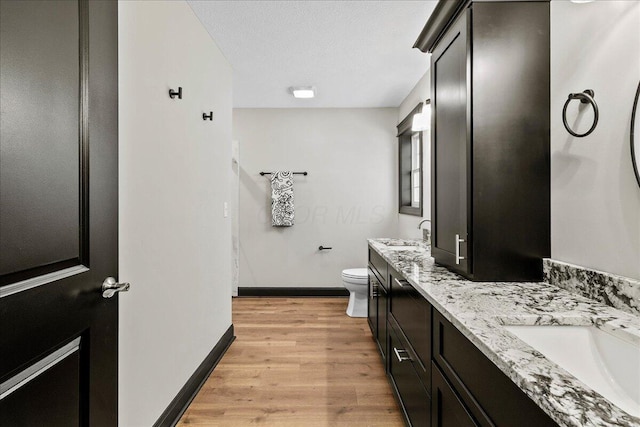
<point x="282" y="211"/>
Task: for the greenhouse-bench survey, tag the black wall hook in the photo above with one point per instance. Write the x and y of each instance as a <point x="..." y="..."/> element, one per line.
<point x="174" y="93"/>
<point x="206" y="116"/>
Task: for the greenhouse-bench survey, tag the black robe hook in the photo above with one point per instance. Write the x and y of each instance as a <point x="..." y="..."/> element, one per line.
<point x="174" y="93"/>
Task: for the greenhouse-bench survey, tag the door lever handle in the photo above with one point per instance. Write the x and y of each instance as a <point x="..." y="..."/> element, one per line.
<point x="110" y="287"/>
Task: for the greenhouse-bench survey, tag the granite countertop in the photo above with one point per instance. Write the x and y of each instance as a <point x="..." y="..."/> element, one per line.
<point x="480" y="309"/>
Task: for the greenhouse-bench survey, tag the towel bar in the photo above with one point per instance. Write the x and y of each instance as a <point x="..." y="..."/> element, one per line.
<point x="295" y="173"/>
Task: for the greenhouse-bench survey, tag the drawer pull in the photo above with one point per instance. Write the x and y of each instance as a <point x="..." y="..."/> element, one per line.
<point x="374" y="290"/>
<point x="401" y="358"/>
<point x="402" y="283"/>
<point x="458" y="241"/>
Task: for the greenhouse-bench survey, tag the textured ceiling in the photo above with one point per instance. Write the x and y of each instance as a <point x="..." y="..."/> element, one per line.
<point x="356" y="53"/>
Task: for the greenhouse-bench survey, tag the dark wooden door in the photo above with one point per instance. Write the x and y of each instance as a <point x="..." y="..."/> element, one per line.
<point x="58" y="213"/>
<point x="450" y="148"/>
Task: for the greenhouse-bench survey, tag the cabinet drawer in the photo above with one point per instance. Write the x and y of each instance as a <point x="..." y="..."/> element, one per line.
<point x="379" y="266"/>
<point x="414" y="399"/>
<point x="413" y="315"/>
<point x="447" y="409"/>
<point x="492" y="398"/>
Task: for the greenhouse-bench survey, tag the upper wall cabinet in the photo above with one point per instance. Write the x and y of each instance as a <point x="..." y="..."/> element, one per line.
<point x="490" y="137"/>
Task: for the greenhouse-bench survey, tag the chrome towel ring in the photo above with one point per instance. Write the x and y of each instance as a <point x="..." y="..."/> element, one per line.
<point x="584" y="97"/>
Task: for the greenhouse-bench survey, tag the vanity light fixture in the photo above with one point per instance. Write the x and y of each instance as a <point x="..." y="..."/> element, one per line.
<point x="422" y="120"/>
<point x="303" y="91"/>
<point x="581" y="1"/>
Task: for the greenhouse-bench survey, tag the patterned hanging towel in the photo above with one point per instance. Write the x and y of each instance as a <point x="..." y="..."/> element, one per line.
<point x="282" y="211"/>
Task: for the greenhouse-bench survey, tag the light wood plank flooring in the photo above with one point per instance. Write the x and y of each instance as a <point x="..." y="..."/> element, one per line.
<point x="296" y="362"/>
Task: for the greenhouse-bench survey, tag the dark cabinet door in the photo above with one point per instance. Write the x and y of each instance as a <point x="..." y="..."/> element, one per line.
<point x="413" y="397"/>
<point x="58" y="213"/>
<point x="447" y="409"/>
<point x="372" y="303"/>
<point x="412" y="313"/>
<point x="383" y="298"/>
<point x="450" y="148"/>
<point x="377" y="312"/>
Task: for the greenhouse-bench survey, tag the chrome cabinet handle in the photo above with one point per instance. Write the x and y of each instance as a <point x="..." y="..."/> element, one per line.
<point x="458" y="241"/>
<point x="401" y="358"/>
<point x="402" y="284"/>
<point x="374" y="290"/>
<point x="110" y="287"/>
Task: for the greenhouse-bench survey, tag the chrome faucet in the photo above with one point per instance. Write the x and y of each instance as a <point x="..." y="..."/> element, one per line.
<point x="426" y="234"/>
<point x="422" y="222"/>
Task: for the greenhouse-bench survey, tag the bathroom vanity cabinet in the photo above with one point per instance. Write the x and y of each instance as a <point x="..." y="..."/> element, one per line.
<point x="438" y="376"/>
<point x="484" y="394"/>
<point x="490" y="137"/>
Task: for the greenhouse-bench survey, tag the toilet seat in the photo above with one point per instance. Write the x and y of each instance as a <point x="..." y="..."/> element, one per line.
<point x="359" y="276"/>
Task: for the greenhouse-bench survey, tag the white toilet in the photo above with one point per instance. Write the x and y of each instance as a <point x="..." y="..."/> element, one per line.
<point x="356" y="281"/>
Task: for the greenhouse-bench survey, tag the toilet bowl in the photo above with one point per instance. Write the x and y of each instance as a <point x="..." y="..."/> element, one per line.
<point x="356" y="281"/>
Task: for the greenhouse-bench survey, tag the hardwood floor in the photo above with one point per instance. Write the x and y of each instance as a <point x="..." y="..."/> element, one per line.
<point x="296" y="362"/>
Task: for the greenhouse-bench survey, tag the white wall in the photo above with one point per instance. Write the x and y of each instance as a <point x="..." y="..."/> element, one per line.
<point x="348" y="196"/>
<point x="234" y="213"/>
<point x="174" y="174"/>
<point x="595" y="199"/>
<point x="408" y="224"/>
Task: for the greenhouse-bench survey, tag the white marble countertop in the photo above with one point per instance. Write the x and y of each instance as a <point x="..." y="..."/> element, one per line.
<point x="480" y="309"/>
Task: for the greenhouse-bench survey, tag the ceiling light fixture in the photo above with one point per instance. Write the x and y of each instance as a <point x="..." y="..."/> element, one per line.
<point x="422" y="120"/>
<point x="303" y="91"/>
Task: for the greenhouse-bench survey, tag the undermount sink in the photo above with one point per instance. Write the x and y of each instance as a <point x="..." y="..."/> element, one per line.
<point x="606" y="363"/>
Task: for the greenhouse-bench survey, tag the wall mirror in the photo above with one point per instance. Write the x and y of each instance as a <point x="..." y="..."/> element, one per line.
<point x="635" y="135"/>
